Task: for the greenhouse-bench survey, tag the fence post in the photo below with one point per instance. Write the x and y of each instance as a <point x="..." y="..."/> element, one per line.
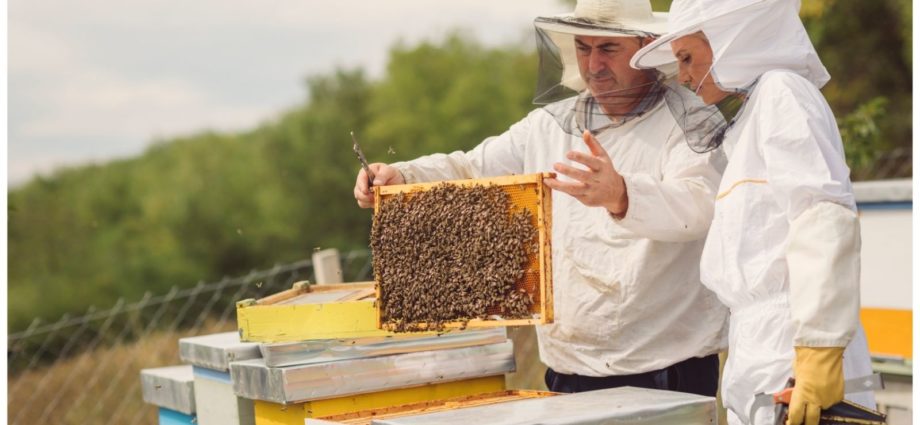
<point x="327" y="266"/>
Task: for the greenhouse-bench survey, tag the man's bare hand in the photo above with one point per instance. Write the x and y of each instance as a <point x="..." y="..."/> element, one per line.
<point x="384" y="175"/>
<point x="598" y="186"/>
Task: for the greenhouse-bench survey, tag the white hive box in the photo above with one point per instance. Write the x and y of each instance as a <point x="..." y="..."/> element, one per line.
<point x="211" y="356"/>
<point x="253" y="379"/>
<point x="216" y="351"/>
<point x="217" y="402"/>
<point x="320" y="351"/>
<point x="627" y="405"/>
<point x="171" y="389"/>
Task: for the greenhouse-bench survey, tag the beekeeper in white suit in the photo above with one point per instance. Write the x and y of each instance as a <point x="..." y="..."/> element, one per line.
<point x="783" y="249"/>
<point x="629" y="218"/>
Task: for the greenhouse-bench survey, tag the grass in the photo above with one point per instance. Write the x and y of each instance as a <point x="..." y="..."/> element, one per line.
<point x="98" y="386"/>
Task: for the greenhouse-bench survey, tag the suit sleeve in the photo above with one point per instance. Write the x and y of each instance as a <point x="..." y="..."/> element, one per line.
<point x="678" y="206"/>
<point x="808" y="176"/>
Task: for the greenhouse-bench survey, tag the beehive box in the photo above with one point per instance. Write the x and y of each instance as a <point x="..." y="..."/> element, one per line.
<point x="170" y="388"/>
<point x="623" y="405"/>
<point x="308" y="312"/>
<point x="269" y="413"/>
<point x="286" y="354"/>
<point x="293" y="384"/>
<point x="216" y="351"/>
<point x="365" y="417"/>
<point x="526" y="192"/>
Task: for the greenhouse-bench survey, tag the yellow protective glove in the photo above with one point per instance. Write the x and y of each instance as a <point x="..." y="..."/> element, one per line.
<point x="818" y="383"/>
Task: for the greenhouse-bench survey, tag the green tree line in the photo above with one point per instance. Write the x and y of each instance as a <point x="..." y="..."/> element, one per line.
<point x="213" y="204"/>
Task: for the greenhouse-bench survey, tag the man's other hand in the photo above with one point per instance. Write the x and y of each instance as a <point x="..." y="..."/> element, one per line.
<point x="384" y="175"/>
<point x="598" y="186"/>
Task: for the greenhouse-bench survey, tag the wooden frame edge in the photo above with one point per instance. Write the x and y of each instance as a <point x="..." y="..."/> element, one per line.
<point x="495" y="181"/>
<point x="546" y="248"/>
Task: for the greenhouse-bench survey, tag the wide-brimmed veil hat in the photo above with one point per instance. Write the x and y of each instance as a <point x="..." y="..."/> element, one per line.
<point x="561" y="88"/>
<point x="685" y="17"/>
<point x="608" y="18"/>
<point x="599" y="18"/>
<point x="747" y="37"/>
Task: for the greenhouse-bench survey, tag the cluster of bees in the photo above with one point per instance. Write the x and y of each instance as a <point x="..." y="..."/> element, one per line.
<point x="451" y="254"/>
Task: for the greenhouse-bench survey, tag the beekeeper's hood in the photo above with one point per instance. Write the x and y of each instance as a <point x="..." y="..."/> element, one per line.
<point x="559" y="76"/>
<point x="748" y="38"/>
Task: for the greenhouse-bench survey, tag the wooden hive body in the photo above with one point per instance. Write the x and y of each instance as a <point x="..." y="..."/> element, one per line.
<point x="306" y="312"/>
<point x="366" y="417"/>
<point x="269" y="413"/>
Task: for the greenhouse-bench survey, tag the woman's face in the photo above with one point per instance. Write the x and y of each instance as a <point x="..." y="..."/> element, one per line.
<point x="694" y="60"/>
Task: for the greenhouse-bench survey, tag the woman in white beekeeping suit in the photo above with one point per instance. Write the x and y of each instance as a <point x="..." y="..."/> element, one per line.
<point x="783" y="248"/>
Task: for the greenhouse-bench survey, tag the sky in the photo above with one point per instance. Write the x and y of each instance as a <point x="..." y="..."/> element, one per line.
<point x="94" y="80"/>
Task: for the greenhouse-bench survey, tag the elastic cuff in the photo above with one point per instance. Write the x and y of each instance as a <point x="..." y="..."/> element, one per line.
<point x="405" y="171"/>
<point x="821" y="343"/>
<point x="630" y="217"/>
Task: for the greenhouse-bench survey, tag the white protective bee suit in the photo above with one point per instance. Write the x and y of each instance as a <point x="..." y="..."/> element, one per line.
<point x="783" y="249"/>
<point x="626" y="292"/>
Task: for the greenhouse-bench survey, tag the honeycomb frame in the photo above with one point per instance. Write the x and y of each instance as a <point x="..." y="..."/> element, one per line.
<point x="525" y="192"/>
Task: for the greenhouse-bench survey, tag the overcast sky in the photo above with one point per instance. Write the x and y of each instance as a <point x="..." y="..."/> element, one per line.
<point x="92" y="80"/>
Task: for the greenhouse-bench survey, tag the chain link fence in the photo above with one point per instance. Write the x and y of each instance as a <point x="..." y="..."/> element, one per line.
<point x="894" y="164"/>
<point x="85" y="369"/>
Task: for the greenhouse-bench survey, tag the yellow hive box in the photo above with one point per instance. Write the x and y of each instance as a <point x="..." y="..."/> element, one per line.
<point x="365" y="417"/>
<point x="305" y="312"/>
<point x="888" y="331"/>
<point x="526" y="192"/>
<point x="267" y="413"/>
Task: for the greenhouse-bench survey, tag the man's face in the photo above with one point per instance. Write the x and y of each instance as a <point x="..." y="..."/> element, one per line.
<point x="694" y="60"/>
<point x="604" y="66"/>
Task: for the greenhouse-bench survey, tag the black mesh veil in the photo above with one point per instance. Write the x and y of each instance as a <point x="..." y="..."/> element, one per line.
<point x="558" y="76"/>
<point x="703" y="125"/>
<point x="550" y="84"/>
<point x="565" y="95"/>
